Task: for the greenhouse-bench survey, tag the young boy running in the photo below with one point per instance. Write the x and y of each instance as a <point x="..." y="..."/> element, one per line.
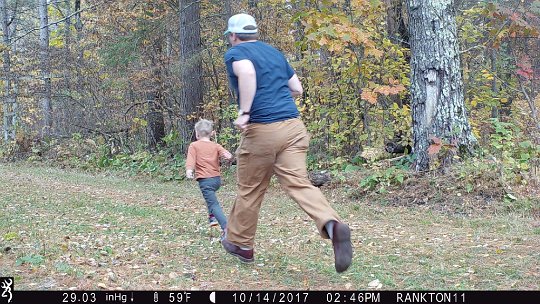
<point x="203" y="164"/>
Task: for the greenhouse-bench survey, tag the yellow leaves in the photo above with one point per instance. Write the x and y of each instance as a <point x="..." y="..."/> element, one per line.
<point x="334" y="126"/>
<point x="138" y="123"/>
<point x="474" y="101"/>
<point x="103" y="76"/>
<point x="487" y="75"/>
<point x="3" y="47"/>
<point x="337" y="32"/>
<point x="372" y="154"/>
<point x="476" y="132"/>
<point x="56" y="42"/>
<point x="374" y="52"/>
<point x="335" y="47"/>
<point x="87" y="54"/>
<point x="323" y="41"/>
<point x="358" y="3"/>
<point x="10" y="236"/>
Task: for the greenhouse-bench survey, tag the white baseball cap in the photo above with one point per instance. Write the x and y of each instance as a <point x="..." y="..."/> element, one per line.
<point x="241" y="24"/>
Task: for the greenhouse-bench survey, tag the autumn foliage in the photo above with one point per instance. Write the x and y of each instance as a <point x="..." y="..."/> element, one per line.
<point x="116" y="72"/>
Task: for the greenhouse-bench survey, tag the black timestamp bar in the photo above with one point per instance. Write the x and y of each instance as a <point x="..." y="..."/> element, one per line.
<point x="384" y="297"/>
<point x="112" y="297"/>
<point x="265" y="296"/>
<point x="270" y="297"/>
<point x="353" y="297"/>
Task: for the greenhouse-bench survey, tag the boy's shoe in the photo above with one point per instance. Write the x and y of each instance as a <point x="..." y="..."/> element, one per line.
<point x="245" y="255"/>
<point x="342" y="246"/>
<point x="223" y="234"/>
<point x="213" y="221"/>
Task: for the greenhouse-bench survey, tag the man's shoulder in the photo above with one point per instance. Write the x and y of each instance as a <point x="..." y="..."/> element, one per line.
<point x="233" y="51"/>
<point x="239" y="48"/>
<point x="255" y="44"/>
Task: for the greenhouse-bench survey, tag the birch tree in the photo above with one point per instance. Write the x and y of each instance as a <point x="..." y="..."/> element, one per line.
<point x="438" y="110"/>
<point x="44" y="56"/>
<point x="10" y="99"/>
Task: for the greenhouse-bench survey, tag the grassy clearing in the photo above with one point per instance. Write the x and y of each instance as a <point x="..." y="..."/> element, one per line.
<point x="66" y="229"/>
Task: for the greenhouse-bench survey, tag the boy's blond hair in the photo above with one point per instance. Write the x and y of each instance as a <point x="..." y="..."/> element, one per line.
<point x="204" y="128"/>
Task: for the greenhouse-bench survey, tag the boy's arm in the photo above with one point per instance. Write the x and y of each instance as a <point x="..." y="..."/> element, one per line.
<point x="224" y="153"/>
<point x="190" y="162"/>
<point x="227" y="154"/>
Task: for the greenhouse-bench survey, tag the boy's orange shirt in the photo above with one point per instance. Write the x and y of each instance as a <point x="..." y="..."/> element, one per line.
<point x="203" y="156"/>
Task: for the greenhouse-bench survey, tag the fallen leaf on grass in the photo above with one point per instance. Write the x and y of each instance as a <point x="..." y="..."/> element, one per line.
<point x="375" y="284"/>
<point x="112" y="277"/>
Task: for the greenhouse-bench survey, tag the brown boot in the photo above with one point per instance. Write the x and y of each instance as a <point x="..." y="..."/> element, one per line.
<point x="245" y="255"/>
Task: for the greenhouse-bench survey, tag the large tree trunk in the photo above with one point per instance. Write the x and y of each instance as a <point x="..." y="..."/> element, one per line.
<point x="191" y="68"/>
<point x="78" y="20"/>
<point x="227" y="10"/>
<point x="44" y="56"/>
<point x="230" y="100"/>
<point x="395" y="22"/>
<point x="436" y="85"/>
<point x="252" y="4"/>
<point x="154" y="117"/>
<point x="154" y="97"/>
<point x="10" y="101"/>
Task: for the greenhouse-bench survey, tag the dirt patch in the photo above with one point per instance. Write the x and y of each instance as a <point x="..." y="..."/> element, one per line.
<point x="459" y="192"/>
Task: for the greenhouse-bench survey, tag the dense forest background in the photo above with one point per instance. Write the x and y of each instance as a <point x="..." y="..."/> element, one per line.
<point x="424" y="114"/>
<point x="119" y="84"/>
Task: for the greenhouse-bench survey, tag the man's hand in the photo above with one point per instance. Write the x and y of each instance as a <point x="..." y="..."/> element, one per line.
<point x="189" y="174"/>
<point x="241" y="122"/>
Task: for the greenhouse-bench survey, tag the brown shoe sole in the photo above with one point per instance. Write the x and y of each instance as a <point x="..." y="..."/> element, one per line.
<point x="241" y="258"/>
<point x="225" y="243"/>
<point x="342" y="247"/>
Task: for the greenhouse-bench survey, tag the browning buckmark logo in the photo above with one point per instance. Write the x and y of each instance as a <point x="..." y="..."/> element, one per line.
<point x="6" y="286"/>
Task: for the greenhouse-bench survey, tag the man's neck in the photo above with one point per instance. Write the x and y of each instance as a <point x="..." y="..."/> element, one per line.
<point x="204" y="139"/>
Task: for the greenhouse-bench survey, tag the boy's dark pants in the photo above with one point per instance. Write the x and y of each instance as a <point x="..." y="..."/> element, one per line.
<point x="208" y="187"/>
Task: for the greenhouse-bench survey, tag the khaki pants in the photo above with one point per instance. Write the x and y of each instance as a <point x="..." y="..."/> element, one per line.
<point x="265" y="149"/>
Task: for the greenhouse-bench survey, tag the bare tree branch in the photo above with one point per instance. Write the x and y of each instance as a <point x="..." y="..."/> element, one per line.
<point x="52" y="23"/>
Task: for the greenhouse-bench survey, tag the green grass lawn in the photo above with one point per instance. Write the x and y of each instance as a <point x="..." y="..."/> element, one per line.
<point x="67" y="229"/>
